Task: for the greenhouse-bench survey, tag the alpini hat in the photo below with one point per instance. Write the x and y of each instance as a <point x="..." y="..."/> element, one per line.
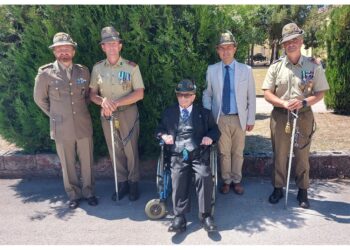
<point x="109" y="34"/>
<point x="290" y="31"/>
<point x="227" y="38"/>
<point x="62" y="38"/>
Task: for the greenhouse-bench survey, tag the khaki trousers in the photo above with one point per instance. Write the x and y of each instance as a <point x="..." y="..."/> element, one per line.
<point x="231" y="145"/>
<point x="281" y="147"/>
<point x="67" y="151"/>
<point x="127" y="156"/>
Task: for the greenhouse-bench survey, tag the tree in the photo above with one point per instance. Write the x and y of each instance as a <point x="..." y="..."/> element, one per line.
<point x="338" y="65"/>
<point x="168" y="42"/>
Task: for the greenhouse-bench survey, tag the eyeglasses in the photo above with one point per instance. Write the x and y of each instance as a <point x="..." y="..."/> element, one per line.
<point x="186" y="96"/>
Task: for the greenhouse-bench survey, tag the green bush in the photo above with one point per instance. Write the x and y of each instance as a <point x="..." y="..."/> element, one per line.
<point x="338" y="63"/>
<point x="168" y="42"/>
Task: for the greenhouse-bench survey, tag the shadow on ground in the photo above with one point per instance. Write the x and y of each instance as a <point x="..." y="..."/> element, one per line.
<point x="250" y="213"/>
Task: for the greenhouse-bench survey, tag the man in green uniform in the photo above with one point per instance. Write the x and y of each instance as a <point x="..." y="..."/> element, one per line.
<point x="62" y="91"/>
<point x="293" y="82"/>
<point x="116" y="85"/>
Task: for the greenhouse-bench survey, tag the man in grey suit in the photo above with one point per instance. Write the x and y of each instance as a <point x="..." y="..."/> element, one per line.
<point x="230" y="95"/>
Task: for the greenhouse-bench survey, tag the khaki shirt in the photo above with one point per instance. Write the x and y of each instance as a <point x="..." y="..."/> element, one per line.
<point x="288" y="81"/>
<point x="64" y="101"/>
<point x="116" y="81"/>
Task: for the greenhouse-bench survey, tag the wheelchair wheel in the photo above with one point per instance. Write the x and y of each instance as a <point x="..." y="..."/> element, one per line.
<point x="155" y="209"/>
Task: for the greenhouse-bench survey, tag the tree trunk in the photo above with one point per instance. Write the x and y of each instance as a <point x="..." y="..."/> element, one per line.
<point x="251" y="55"/>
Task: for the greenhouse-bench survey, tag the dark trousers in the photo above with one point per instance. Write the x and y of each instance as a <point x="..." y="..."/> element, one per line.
<point x="181" y="174"/>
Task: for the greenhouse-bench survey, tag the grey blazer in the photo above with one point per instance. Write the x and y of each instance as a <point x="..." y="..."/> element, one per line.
<point x="244" y="88"/>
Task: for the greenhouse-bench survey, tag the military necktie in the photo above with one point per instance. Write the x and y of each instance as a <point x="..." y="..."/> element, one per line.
<point x="226" y="92"/>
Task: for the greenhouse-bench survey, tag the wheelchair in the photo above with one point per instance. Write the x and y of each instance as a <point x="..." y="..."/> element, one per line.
<point x="156" y="208"/>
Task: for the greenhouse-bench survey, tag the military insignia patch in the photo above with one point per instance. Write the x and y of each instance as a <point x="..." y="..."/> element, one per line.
<point x="81" y="81"/>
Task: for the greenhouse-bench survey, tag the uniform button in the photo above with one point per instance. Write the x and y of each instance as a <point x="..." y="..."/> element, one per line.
<point x="71" y="93"/>
<point x="70" y="84"/>
<point x="72" y="103"/>
<point x="74" y="113"/>
<point x="56" y="88"/>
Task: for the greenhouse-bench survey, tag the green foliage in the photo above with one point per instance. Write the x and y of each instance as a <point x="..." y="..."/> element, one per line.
<point x="168" y="42"/>
<point x="338" y="65"/>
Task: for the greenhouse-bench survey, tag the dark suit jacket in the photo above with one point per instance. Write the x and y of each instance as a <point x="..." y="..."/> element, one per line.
<point x="202" y="120"/>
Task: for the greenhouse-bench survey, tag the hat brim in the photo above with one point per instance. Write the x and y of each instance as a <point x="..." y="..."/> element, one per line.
<point x="288" y="38"/>
<point x="110" y="39"/>
<point x="62" y="43"/>
<point x="227" y="43"/>
<point x="185" y="91"/>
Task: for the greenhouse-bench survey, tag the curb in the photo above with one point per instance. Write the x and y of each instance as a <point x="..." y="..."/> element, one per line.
<point x="323" y="165"/>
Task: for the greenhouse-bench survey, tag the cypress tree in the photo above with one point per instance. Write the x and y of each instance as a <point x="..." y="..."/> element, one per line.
<point x="167" y="42"/>
<point x="338" y="63"/>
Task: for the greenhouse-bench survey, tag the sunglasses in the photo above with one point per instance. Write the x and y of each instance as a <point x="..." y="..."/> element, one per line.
<point x="186" y="96"/>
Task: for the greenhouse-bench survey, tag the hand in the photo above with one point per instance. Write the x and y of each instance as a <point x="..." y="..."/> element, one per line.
<point x="168" y="139"/>
<point x="106" y="112"/>
<point x="294" y="104"/>
<point x="107" y="104"/>
<point x="206" y="141"/>
<point x="249" y="128"/>
<point x="115" y="105"/>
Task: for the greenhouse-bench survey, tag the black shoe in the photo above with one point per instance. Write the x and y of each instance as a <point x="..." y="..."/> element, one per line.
<point x="302" y="198"/>
<point x="92" y="201"/>
<point x="73" y="204"/>
<point x="123" y="188"/>
<point x="208" y="224"/>
<point x="276" y="195"/>
<point x="134" y="191"/>
<point x="178" y="224"/>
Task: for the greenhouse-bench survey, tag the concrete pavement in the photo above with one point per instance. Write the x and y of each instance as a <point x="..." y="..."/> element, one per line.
<point x="34" y="211"/>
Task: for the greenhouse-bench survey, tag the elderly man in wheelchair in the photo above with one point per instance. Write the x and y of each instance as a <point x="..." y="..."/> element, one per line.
<point x="188" y="130"/>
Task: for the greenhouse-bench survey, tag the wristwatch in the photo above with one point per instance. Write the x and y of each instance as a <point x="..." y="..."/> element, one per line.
<point x="304" y="102"/>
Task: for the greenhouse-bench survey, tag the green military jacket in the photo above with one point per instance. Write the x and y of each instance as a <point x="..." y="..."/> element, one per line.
<point x="64" y="100"/>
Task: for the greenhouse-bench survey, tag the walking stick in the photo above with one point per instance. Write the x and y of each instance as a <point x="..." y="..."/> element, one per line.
<point x="114" y="160"/>
<point x="291" y="153"/>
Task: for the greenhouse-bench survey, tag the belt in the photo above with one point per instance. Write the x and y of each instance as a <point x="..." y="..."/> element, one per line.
<point x="125" y="107"/>
<point x="283" y="110"/>
<point x="228" y="114"/>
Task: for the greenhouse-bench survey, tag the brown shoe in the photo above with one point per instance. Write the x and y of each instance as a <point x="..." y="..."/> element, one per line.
<point x="238" y="188"/>
<point x="225" y="188"/>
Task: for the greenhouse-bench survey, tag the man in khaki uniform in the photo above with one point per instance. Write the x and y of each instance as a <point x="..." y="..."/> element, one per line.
<point x="61" y="91"/>
<point x="293" y="82"/>
<point x="116" y="85"/>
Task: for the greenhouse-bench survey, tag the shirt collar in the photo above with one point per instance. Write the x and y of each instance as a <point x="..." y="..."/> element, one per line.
<point x="119" y="62"/>
<point x="189" y="109"/>
<point x="300" y="61"/>
<point x="61" y="66"/>
<point x="231" y="65"/>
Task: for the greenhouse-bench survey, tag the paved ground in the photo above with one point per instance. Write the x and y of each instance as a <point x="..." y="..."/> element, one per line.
<point x="34" y="211"/>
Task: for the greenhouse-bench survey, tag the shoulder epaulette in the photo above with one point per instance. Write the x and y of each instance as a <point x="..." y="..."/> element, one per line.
<point x="313" y="60"/>
<point x="82" y="66"/>
<point x="46" y="66"/>
<point x="278" y="60"/>
<point x="99" y="62"/>
<point x="131" y="63"/>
